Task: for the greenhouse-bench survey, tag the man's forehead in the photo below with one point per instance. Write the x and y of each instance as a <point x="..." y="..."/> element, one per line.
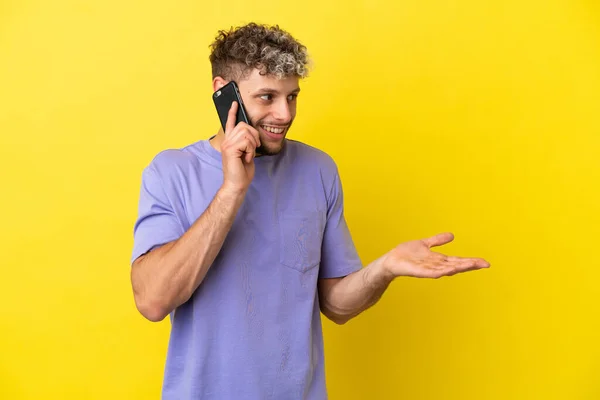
<point x="257" y="82"/>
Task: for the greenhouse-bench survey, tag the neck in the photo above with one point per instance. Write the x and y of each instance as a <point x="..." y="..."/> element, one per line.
<point x="217" y="140"/>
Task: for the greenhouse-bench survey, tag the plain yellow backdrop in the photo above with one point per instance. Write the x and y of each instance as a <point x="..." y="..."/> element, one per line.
<point x="475" y="117"/>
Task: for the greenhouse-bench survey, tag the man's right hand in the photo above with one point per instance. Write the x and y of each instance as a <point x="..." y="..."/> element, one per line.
<point x="238" y="151"/>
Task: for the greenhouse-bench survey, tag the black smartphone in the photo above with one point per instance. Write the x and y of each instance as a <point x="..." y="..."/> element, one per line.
<point x="223" y="99"/>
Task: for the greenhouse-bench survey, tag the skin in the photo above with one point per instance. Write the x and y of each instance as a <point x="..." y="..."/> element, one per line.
<point x="167" y="276"/>
<point x="268" y="101"/>
<point x="344" y="298"/>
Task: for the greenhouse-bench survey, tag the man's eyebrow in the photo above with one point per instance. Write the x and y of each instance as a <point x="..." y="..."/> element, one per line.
<point x="267" y="90"/>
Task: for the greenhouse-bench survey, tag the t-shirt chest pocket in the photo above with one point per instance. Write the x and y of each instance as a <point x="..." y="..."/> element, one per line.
<point x="300" y="236"/>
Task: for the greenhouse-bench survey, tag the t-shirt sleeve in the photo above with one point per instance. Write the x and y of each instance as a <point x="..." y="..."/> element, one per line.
<point x="157" y="222"/>
<point x="338" y="253"/>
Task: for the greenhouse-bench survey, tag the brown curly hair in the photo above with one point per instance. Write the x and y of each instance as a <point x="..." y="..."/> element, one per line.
<point x="272" y="50"/>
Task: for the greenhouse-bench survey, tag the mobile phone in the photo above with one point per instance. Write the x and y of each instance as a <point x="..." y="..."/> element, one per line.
<point x="223" y="98"/>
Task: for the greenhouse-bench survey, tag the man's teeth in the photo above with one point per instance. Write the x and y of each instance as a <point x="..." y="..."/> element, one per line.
<point x="273" y="130"/>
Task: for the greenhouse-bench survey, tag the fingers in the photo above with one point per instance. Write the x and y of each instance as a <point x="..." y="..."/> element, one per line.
<point x="232" y="124"/>
<point x="455" y="265"/>
<point x="475" y="262"/>
<point x="249" y="150"/>
<point x="253" y="133"/>
<point x="251" y="137"/>
<point x="242" y="141"/>
<point x="231" y="118"/>
<point x="250" y="155"/>
<point x="439" y="239"/>
<point x="461" y="263"/>
<point x="245" y="144"/>
<point x="242" y="129"/>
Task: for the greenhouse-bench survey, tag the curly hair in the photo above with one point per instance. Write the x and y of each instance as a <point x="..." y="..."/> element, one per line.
<point x="272" y="50"/>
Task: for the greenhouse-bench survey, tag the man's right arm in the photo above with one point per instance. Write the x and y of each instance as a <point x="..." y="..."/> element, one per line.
<point x="167" y="276"/>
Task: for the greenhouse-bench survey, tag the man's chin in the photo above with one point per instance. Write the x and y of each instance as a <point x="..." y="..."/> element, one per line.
<point x="269" y="150"/>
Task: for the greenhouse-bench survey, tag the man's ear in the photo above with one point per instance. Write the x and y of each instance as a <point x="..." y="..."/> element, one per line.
<point x="218" y="83"/>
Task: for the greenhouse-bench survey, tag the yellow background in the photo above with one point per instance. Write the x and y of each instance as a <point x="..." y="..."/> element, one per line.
<point x="480" y="118"/>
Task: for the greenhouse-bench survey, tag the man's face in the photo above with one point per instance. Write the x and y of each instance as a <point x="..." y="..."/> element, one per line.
<point x="271" y="107"/>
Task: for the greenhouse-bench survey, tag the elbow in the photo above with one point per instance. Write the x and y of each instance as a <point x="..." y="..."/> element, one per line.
<point x="335" y="318"/>
<point x="339" y="320"/>
<point x="148" y="303"/>
<point x="154" y="314"/>
<point x="150" y="309"/>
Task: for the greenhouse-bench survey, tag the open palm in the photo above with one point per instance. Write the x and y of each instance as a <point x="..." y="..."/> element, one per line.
<point x="416" y="259"/>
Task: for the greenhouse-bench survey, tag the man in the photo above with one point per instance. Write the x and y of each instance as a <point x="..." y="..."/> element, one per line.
<point x="245" y="251"/>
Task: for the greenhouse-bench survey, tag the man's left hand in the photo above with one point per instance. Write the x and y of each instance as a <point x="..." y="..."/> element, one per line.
<point x="416" y="259"/>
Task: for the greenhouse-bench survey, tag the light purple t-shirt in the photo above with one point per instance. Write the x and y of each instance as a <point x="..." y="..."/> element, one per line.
<point x="252" y="330"/>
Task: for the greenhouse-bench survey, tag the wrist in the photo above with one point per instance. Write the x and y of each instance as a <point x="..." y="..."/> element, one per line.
<point x="380" y="273"/>
<point x="231" y="191"/>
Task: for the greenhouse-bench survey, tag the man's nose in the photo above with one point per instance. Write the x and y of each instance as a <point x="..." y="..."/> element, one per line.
<point x="282" y="111"/>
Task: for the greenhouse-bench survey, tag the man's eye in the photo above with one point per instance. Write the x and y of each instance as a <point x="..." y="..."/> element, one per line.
<point x="292" y="97"/>
<point x="266" y="97"/>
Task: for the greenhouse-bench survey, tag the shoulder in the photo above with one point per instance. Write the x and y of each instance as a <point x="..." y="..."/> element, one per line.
<point x="172" y="158"/>
<point x="170" y="173"/>
<point x="317" y="166"/>
<point x="172" y="163"/>
<point x="311" y="157"/>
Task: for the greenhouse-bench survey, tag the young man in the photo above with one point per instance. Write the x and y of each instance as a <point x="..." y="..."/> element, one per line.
<point x="244" y="251"/>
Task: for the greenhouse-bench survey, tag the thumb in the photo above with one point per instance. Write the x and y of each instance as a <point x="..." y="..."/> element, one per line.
<point x="439" y="239"/>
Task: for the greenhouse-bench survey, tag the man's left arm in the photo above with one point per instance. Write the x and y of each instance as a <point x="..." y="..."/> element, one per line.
<point x="344" y="298"/>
